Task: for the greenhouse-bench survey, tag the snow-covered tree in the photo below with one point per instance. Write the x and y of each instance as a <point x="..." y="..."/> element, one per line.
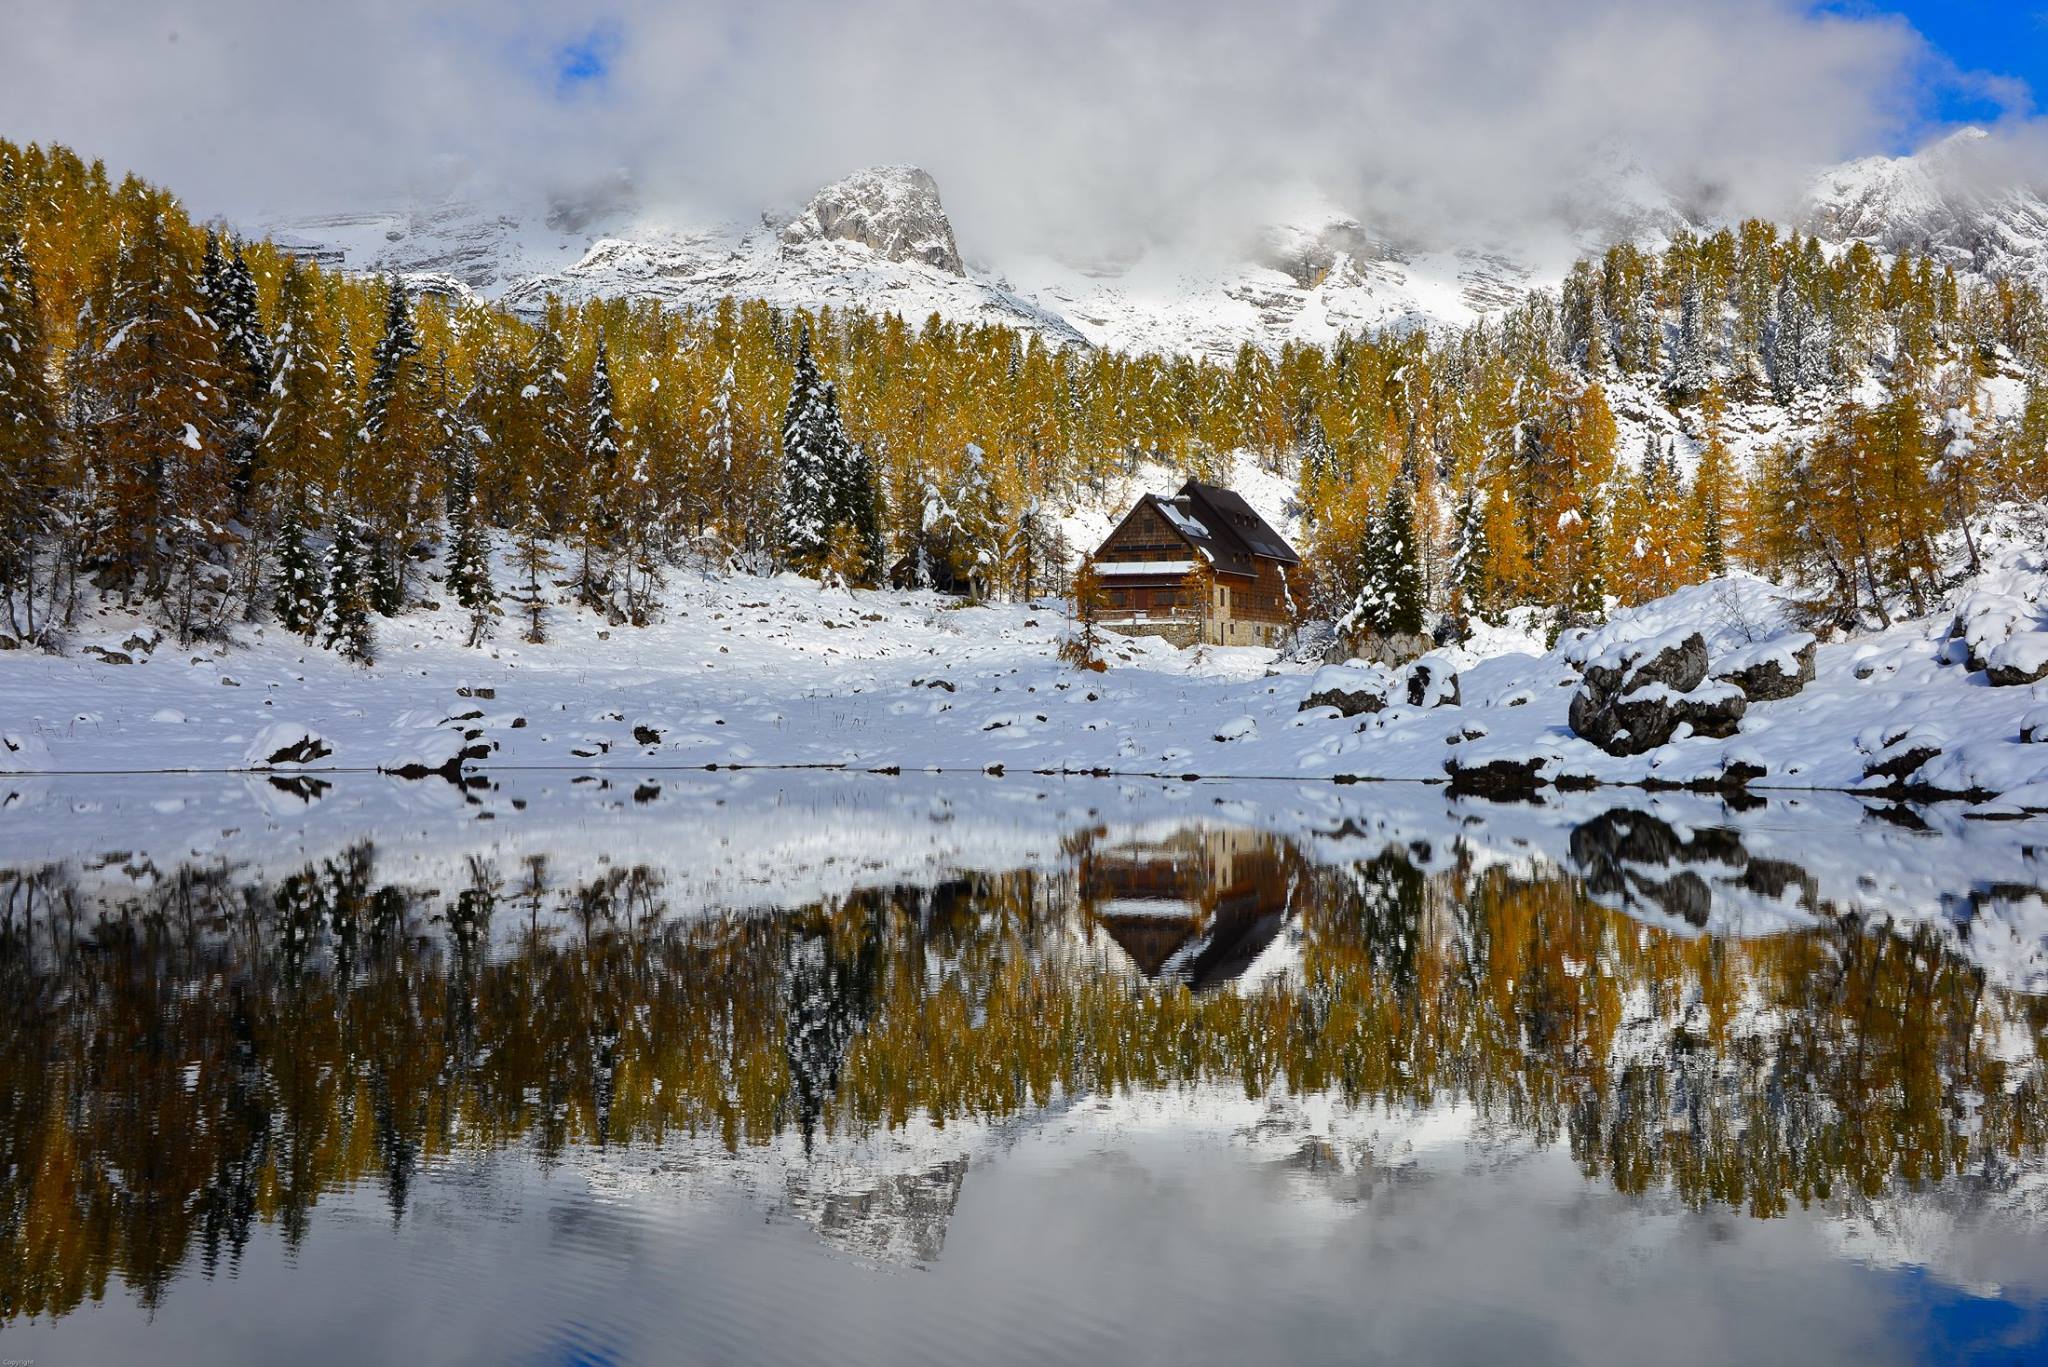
<point x="806" y="442"/>
<point x="597" y="521"/>
<point x="345" y="624"/>
<point x="469" y="549"/>
<point x="1390" y="596"/>
<point x="300" y="599"/>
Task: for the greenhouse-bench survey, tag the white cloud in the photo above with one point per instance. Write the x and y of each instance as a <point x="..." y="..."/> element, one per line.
<point x="1078" y="123"/>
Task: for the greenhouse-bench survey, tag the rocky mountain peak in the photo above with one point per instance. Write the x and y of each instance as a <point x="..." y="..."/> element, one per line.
<point x="1957" y="199"/>
<point x="893" y="211"/>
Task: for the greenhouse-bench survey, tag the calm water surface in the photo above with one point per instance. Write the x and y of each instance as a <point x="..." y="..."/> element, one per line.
<point x="691" y="1069"/>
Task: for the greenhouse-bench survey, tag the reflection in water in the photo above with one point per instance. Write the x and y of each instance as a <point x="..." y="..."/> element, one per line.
<point x="222" y="1051"/>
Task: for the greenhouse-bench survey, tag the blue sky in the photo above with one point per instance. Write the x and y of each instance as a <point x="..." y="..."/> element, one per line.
<point x="2000" y="38"/>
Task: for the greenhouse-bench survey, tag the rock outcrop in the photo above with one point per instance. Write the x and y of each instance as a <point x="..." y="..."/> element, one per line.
<point x="1637" y="695"/>
<point x="893" y="211"/>
<point x="1772" y="671"/>
<point x="1361" y="689"/>
<point x="1358" y="690"/>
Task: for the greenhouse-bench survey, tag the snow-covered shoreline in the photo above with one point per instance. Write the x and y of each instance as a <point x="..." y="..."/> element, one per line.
<point x="773" y="672"/>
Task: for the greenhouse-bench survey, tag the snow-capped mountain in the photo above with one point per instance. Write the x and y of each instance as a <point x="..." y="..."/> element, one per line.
<point x="1955" y="200"/>
<point x="880" y="239"/>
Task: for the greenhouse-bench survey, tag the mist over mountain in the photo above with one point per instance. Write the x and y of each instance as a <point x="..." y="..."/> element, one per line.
<point x="1082" y="133"/>
<point x="882" y="239"/>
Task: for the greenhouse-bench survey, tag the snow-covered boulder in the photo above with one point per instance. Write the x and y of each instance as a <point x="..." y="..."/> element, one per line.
<point x="2020" y="659"/>
<point x="1357" y="689"/>
<point x="1770" y="670"/>
<point x="1986" y="621"/>
<point x="2034" y="725"/>
<point x="1238" y="728"/>
<point x="1638" y="693"/>
<point x="427" y="752"/>
<point x="1432" y="681"/>
<point x="1361" y="688"/>
<point x="1897" y="754"/>
<point x="21" y="753"/>
<point x="286" y="745"/>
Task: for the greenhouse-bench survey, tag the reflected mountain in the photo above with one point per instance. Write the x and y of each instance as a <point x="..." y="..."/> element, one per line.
<point x="199" y="1049"/>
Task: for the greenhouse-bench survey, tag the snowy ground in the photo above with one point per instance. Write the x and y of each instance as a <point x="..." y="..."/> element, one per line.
<point x="747" y="671"/>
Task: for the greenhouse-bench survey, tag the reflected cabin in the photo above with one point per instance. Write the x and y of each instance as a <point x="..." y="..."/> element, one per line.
<point x="1199" y="566"/>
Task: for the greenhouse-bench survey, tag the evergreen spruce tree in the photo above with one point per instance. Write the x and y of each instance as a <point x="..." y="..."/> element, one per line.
<point x="551" y="443"/>
<point x="387" y="585"/>
<point x="245" y="358"/>
<point x="392" y="448"/>
<point x="1692" y="352"/>
<point x="1318" y="458"/>
<point x="469" y="549"/>
<point x="597" y="520"/>
<point x="1469" y="575"/>
<point x="1390" y="595"/>
<point x="301" y="597"/>
<point x="1405" y="608"/>
<point x="345" y="626"/>
<point x="809" y="456"/>
<point x="860" y="509"/>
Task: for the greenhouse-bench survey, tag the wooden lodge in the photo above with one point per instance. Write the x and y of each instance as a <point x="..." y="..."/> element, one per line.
<point x="1197" y="906"/>
<point x="1199" y="566"/>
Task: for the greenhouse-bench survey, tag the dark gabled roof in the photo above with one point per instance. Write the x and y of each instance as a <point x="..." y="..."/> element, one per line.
<point x="1235" y="515"/>
<point x="1220" y="526"/>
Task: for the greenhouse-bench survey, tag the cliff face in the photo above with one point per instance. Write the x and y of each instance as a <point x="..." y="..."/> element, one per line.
<point x="893" y="211"/>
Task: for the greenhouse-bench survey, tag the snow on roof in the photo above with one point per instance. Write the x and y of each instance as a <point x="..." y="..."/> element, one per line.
<point x="1135" y="568"/>
<point x="1168" y="908"/>
<point x="1181" y="518"/>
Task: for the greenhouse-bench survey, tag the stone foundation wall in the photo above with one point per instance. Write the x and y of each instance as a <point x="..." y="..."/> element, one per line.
<point x="1182" y="633"/>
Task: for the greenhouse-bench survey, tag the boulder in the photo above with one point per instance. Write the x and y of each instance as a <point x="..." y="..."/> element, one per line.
<point x="1772" y="671"/>
<point x="1502" y="779"/>
<point x="1902" y="753"/>
<point x="1391" y="651"/>
<point x="1636" y="696"/>
<point x="286" y="743"/>
<point x="1353" y="690"/>
<point x="1433" y="682"/>
<point x="2018" y="660"/>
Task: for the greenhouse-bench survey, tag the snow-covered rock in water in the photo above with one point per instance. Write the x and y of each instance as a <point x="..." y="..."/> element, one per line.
<point x="437" y="751"/>
<point x="286" y="745"/>
<point x="1637" y="695"/>
<point x="1357" y="689"/>
<point x="893" y="211"/>
<point x="1771" y="671"/>
<point x="1631" y="859"/>
<point x="1361" y="688"/>
<point x="23" y="754"/>
<point x="1896" y="755"/>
